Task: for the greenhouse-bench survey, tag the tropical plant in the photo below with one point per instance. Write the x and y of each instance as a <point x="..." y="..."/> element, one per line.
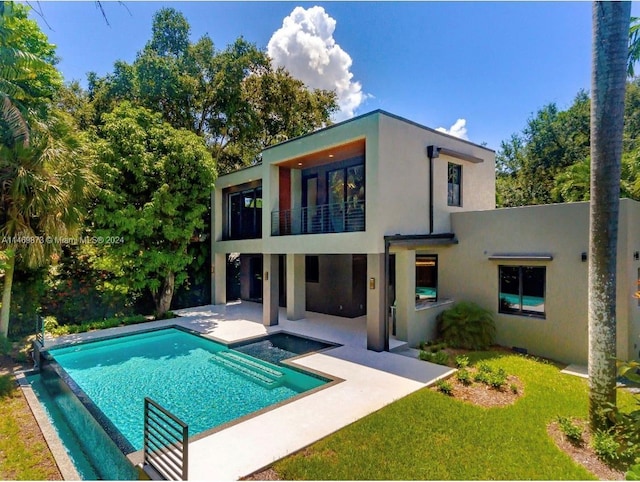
<point x="634" y="471"/>
<point x="608" y="80"/>
<point x="467" y="325"/>
<point x="27" y="74"/>
<point x="444" y="387"/>
<point x="464" y="376"/>
<point x="633" y="54"/>
<point x="43" y="188"/>
<point x="571" y="430"/>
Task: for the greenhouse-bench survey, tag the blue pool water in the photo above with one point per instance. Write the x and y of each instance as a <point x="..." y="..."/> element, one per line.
<point x="178" y="370"/>
<point x="526" y="300"/>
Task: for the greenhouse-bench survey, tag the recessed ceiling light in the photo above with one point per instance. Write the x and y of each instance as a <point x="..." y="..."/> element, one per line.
<point x="330" y="155"/>
<point x="299" y="164"/>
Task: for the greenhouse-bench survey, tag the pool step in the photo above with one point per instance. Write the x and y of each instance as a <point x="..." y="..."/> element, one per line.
<point x="263" y="375"/>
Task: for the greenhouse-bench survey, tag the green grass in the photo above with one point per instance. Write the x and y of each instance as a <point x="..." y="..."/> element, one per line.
<point x="24" y="455"/>
<point x="430" y="436"/>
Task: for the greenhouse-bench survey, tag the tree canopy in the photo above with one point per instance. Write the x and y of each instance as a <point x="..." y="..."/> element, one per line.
<point x="232" y="97"/>
<point x="548" y="161"/>
<point x="156" y="190"/>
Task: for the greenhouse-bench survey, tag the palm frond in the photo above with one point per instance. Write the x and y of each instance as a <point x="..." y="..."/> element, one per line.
<point x="18" y="127"/>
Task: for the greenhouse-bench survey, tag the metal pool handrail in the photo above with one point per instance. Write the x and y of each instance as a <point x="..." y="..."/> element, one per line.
<point x="166" y="442"/>
<point x="40" y="330"/>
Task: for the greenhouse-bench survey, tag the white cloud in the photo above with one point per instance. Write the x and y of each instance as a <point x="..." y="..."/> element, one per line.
<point x="305" y="46"/>
<point x="458" y="129"/>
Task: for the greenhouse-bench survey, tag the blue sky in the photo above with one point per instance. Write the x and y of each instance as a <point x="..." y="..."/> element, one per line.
<point x="490" y="64"/>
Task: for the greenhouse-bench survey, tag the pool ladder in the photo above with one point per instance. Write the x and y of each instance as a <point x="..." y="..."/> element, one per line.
<point x="260" y="373"/>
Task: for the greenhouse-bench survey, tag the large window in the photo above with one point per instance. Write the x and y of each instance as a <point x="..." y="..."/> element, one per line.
<point x="454" y="185"/>
<point x="522" y="290"/>
<point x="426" y="277"/>
<point x="244" y="216"/>
<point x="346" y="196"/>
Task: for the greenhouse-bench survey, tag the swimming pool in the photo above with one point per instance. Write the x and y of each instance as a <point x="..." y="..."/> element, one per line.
<point x="202" y="382"/>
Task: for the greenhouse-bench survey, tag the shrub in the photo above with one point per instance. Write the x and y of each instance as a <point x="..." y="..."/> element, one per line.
<point x="462" y="361"/>
<point x="439" y="357"/>
<point x="514" y="388"/>
<point x="606" y="446"/>
<point x="570" y="430"/>
<point x="5" y="345"/>
<point x="498" y="379"/>
<point x="484" y="367"/>
<point x="464" y="376"/>
<point x="482" y="377"/>
<point x="467" y="325"/>
<point x="634" y="471"/>
<point x="97" y="325"/>
<point x="444" y="387"/>
<point x="6" y="385"/>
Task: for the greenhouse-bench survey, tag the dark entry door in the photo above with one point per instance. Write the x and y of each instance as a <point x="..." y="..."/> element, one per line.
<point x="255" y="280"/>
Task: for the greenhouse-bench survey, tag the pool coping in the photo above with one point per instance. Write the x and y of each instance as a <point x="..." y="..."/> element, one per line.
<point x="58" y="450"/>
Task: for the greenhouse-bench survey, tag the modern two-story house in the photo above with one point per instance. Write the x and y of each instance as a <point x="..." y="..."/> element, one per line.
<point x="378" y="215"/>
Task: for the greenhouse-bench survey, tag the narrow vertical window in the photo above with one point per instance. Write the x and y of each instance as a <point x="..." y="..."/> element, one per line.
<point x="312" y="269"/>
<point x="426" y="277"/>
<point x="454" y="185"/>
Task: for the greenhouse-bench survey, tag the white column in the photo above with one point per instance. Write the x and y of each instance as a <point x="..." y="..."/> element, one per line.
<point x="219" y="279"/>
<point x="405" y="292"/>
<point x="376" y="316"/>
<point x="270" y="292"/>
<point x="296" y="287"/>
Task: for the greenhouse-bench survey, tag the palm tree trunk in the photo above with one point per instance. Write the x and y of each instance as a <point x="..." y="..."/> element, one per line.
<point x="6" y="294"/>
<point x="610" y="39"/>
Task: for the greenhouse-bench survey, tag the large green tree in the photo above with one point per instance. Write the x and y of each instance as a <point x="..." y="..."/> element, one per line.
<point x="609" y="69"/>
<point x="552" y="140"/>
<point x="232" y="97"/>
<point x="156" y="190"/>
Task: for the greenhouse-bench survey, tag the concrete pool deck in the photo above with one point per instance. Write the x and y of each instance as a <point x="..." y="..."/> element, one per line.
<point x="369" y="381"/>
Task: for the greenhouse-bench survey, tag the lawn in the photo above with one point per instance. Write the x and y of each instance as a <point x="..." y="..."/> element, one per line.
<point x="24" y="454"/>
<point x="430" y="436"/>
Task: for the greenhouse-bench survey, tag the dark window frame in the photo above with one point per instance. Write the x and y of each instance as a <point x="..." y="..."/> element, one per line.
<point x="457" y="181"/>
<point x="433" y="257"/>
<point x="505" y="309"/>
<point x="249" y="228"/>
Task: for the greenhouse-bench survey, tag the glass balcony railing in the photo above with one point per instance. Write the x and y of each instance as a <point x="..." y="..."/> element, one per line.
<point x="326" y="218"/>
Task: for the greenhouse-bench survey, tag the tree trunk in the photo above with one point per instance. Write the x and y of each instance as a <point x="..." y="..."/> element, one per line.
<point x="610" y="39"/>
<point x="5" y="312"/>
<point x="164" y="295"/>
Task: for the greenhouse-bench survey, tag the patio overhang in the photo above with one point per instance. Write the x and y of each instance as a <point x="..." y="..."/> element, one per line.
<point x="402" y="242"/>
<point x="399" y="242"/>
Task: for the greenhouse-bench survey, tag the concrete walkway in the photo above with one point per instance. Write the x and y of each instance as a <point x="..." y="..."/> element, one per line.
<point x="370" y="380"/>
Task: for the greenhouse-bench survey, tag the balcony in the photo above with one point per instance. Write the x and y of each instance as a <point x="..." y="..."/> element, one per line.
<point x="325" y="218"/>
